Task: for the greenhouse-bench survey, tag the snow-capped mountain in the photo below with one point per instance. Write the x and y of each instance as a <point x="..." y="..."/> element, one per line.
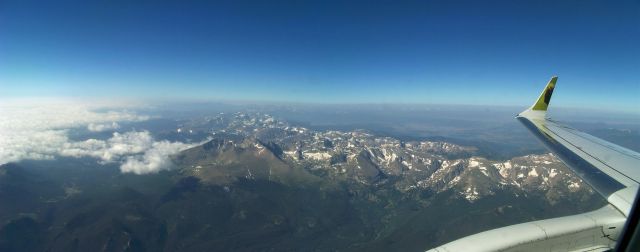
<point x="364" y="158"/>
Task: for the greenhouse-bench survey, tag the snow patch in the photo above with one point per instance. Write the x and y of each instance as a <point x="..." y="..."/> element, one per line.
<point x="407" y="164"/>
<point x="471" y="194"/>
<point x="484" y="170"/>
<point x="574" y="185"/>
<point x="316" y="155"/>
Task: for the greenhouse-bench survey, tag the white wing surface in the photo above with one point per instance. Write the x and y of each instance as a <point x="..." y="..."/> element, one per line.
<point x="610" y="169"/>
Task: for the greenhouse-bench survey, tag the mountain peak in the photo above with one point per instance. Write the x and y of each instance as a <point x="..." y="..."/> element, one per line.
<point x="224" y="161"/>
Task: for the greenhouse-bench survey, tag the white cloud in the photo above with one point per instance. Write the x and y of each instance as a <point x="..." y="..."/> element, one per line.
<point x="137" y="152"/>
<point x="154" y="159"/>
<point x="99" y="127"/>
<point x="40" y="131"/>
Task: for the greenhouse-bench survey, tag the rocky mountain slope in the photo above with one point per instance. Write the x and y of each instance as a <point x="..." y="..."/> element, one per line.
<point x="259" y="147"/>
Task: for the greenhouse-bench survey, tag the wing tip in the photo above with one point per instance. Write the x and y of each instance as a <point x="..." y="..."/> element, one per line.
<point x="545" y="97"/>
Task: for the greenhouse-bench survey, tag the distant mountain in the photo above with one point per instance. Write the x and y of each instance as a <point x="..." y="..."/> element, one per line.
<point x="260" y="184"/>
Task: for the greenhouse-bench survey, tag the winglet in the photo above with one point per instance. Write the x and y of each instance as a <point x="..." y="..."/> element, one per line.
<point x="543" y="101"/>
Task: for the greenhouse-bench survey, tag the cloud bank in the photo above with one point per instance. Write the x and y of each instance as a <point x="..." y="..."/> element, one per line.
<point x="40" y="131"/>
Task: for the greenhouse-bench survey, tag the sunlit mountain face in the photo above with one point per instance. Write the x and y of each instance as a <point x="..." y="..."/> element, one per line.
<point x="100" y="177"/>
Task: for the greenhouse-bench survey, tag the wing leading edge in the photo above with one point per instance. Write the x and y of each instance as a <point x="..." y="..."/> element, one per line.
<point x="610" y="169"/>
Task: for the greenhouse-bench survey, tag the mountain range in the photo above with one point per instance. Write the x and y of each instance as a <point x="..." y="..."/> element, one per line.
<point x="261" y="184"/>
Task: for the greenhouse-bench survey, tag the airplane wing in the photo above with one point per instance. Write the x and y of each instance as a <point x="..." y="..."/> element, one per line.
<point x="610" y="169"/>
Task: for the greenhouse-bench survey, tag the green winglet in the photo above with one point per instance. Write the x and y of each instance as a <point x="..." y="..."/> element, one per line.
<point x="545" y="97"/>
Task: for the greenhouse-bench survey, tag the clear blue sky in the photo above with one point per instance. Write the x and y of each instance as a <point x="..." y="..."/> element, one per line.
<point x="475" y="52"/>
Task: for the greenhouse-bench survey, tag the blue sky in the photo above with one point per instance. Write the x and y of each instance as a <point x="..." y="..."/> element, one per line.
<point x="438" y="52"/>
